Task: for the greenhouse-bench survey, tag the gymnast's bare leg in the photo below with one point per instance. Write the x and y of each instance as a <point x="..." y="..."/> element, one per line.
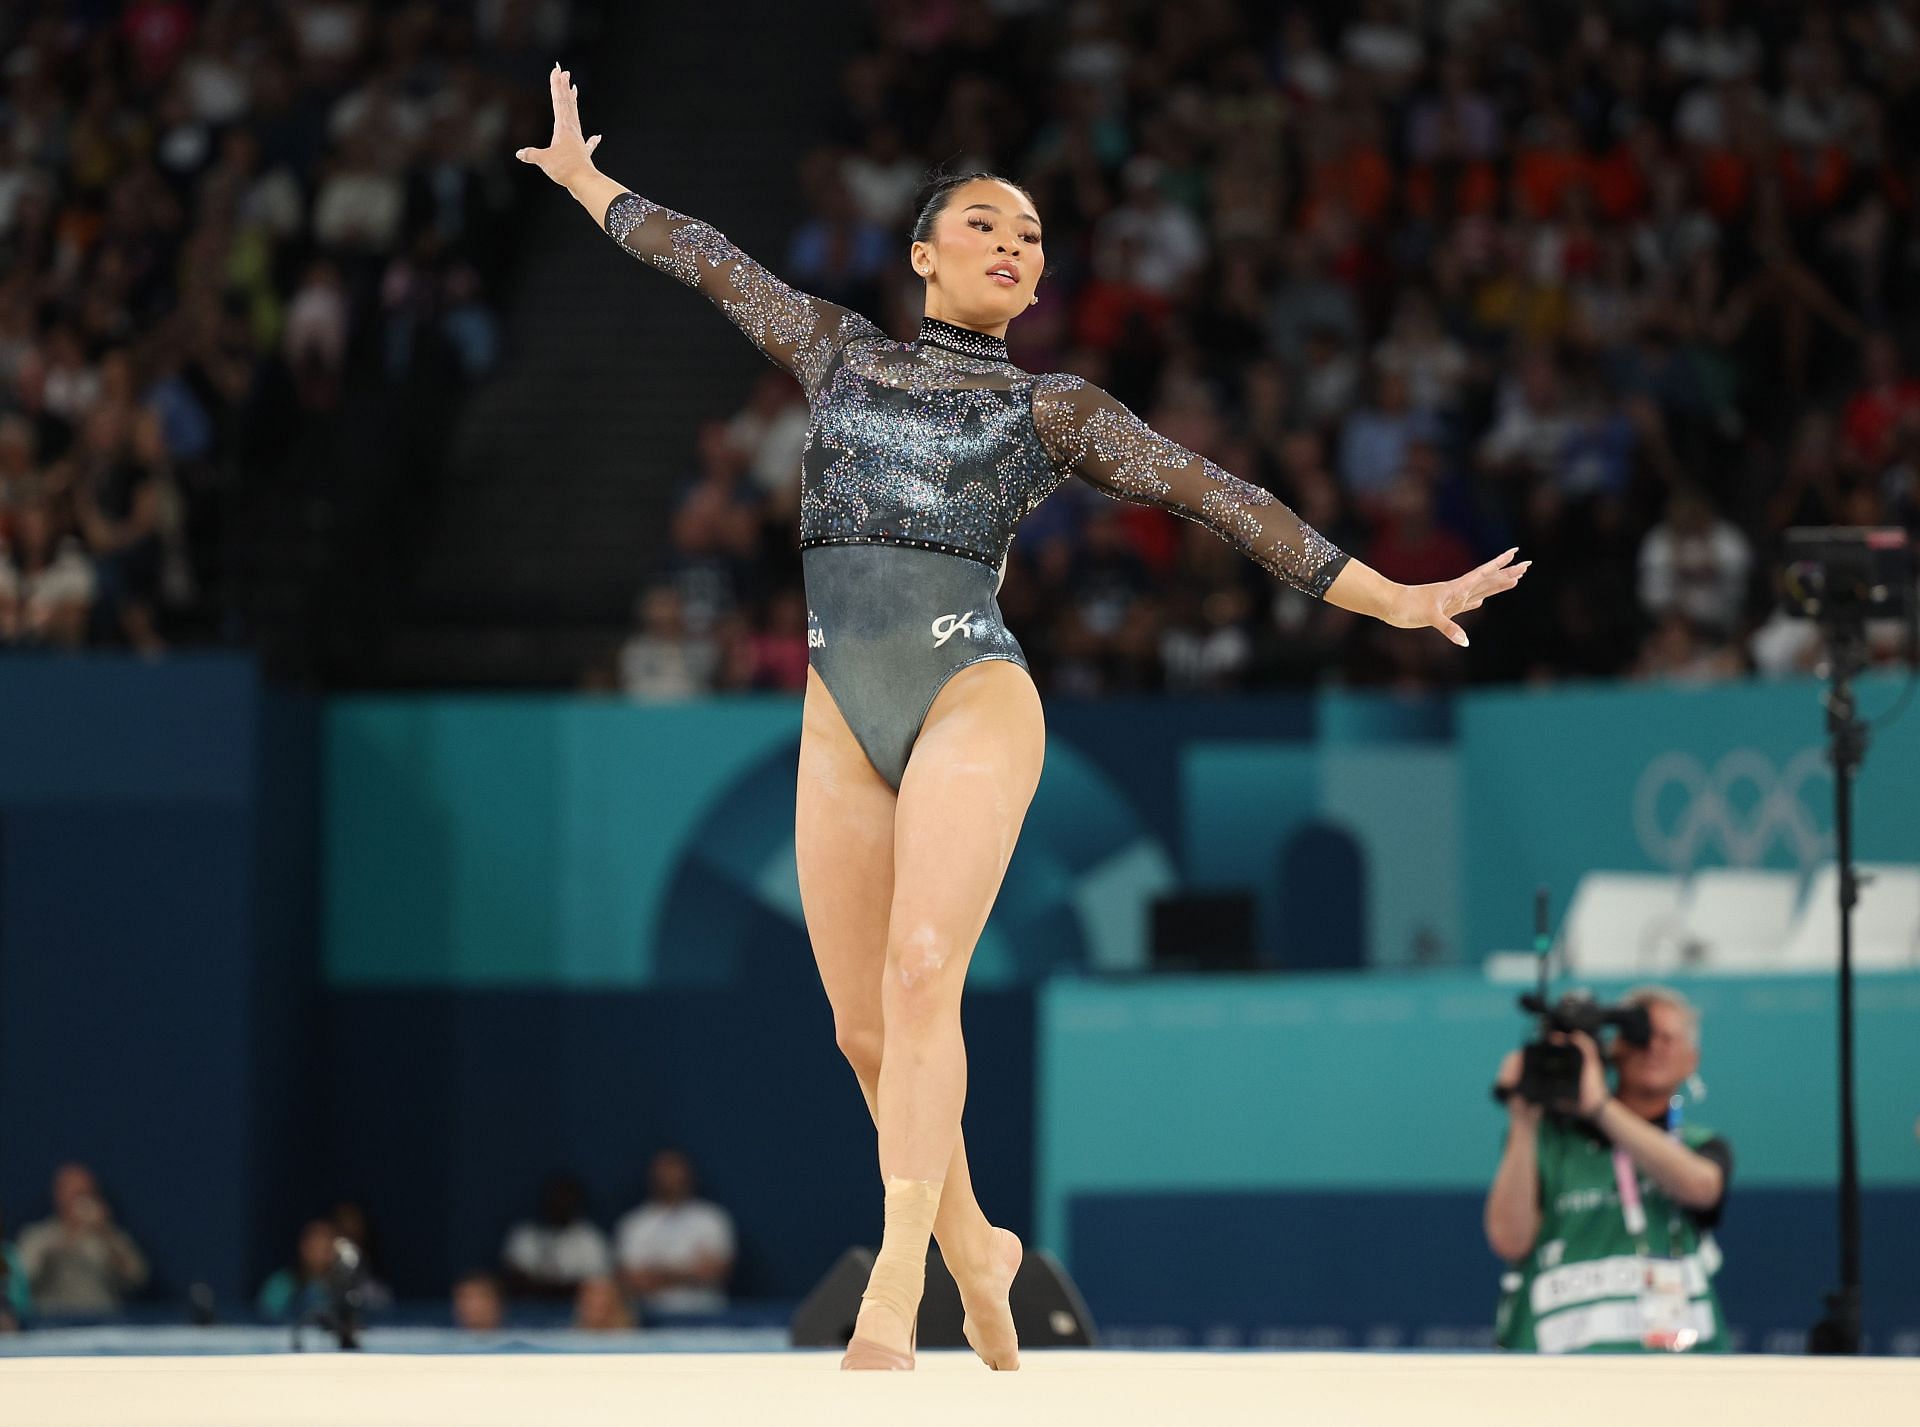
<point x="863" y="888"/>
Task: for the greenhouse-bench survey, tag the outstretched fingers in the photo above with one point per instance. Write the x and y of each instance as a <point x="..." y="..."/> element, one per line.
<point x="566" y="101"/>
<point x="1473" y="589"/>
<point x="1497" y="562"/>
<point x="566" y="121"/>
<point x="1494" y="576"/>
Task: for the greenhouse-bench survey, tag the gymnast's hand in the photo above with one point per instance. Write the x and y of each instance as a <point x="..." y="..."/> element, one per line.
<point x="567" y="155"/>
<point x="1418" y="606"/>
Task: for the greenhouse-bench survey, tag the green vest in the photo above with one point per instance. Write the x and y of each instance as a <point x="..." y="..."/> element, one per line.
<point x="1578" y="1291"/>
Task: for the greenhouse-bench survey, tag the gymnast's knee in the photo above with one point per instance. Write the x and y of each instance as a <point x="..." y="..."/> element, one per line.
<point x="923" y="975"/>
<point x="861" y="1044"/>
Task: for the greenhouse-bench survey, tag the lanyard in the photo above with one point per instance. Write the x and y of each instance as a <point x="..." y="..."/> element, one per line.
<point x="1627" y="1179"/>
<point x="1631" y="1209"/>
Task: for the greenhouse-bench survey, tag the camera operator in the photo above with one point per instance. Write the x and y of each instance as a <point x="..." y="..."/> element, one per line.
<point x="1605" y="1204"/>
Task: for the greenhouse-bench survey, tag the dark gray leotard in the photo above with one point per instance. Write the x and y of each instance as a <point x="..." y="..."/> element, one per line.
<point x="921" y="457"/>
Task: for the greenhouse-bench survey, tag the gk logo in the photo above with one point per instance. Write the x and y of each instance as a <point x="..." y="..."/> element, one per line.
<point x="949" y="625"/>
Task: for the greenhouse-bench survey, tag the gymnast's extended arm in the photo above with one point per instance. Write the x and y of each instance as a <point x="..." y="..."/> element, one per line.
<point x="798" y="332"/>
<point x="1096" y="437"/>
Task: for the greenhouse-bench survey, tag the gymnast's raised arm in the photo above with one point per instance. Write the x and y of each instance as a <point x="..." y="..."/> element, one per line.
<point x="798" y="332"/>
<point x="1097" y="438"/>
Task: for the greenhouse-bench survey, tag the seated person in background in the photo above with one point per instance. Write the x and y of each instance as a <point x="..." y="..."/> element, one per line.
<point x="1606" y="1207"/>
<point x="350" y="1222"/>
<point x="478" y="1304"/>
<point x="675" y="1250"/>
<point x="600" y="1307"/>
<point x="80" y="1261"/>
<point x="293" y="1292"/>
<point x="548" y="1257"/>
<point x="16" y="1299"/>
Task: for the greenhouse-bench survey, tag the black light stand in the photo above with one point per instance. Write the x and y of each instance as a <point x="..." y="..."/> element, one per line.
<point x="1839" y="576"/>
<point x="1839" y="1331"/>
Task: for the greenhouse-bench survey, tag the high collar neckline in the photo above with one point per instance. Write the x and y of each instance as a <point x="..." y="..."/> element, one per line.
<point x="962" y="339"/>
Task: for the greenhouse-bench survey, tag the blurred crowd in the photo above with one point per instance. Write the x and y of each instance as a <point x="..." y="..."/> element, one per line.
<point x="218" y="219"/>
<point x="672" y="1254"/>
<point x="1630" y="286"/>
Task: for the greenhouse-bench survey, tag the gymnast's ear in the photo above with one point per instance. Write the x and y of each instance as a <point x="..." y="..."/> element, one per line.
<point x="921" y="256"/>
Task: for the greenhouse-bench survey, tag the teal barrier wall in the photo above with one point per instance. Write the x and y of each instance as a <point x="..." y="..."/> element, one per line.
<point x="1640" y="779"/>
<point x="487" y="841"/>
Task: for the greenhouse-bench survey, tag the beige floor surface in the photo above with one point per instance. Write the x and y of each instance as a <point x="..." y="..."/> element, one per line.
<point x="1054" y="1390"/>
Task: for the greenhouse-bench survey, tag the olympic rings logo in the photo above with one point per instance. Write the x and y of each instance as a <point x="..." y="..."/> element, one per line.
<point x="1741" y="807"/>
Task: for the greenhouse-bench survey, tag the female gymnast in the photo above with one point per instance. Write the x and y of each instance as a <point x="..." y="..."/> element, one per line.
<point x="921" y="733"/>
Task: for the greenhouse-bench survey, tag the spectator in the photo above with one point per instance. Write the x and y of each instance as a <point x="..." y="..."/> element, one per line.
<point x="1308" y="300"/>
<point x="1329" y="378"/>
<point x="599" y="1307"/>
<point x="1375" y="440"/>
<point x="316" y="336"/>
<point x="1533" y="426"/>
<point x="1886" y="403"/>
<point x="478" y="1304"/>
<point x="716" y="532"/>
<point x="1419" y="352"/>
<point x="662" y="661"/>
<point x="836" y="254"/>
<point x="1695" y="564"/>
<point x="293" y="1292"/>
<point x="773" y="655"/>
<point x="1382" y="45"/>
<point x="351" y="1222"/>
<point x="16" y="1294"/>
<point x="80" y="1261"/>
<point x="549" y="1256"/>
<point x="119" y="492"/>
<point x="1711" y="48"/>
<point x="1681" y="652"/>
<point x="1206" y="645"/>
<point x="16" y="466"/>
<point x="47" y="584"/>
<point x="1411" y="545"/>
<point x="1165" y="245"/>
<point x="361" y="201"/>
<point x="882" y="177"/>
<point x="675" y="1251"/>
<point x="766" y="436"/>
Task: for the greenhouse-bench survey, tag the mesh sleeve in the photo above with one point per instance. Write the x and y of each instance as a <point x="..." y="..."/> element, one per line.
<point x="798" y="332"/>
<point x="1098" y="439"/>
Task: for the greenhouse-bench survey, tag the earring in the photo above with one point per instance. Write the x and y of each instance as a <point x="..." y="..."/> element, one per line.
<point x="1032" y="300"/>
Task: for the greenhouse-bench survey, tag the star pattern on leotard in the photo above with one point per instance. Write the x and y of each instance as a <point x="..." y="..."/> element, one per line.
<point x="1096" y="437"/>
<point x="942" y="442"/>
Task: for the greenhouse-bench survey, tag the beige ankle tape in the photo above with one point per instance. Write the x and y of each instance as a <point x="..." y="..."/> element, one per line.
<point x="900" y="1271"/>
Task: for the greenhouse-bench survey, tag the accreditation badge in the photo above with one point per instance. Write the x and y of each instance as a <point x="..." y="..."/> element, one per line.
<point x="1666" y="1312"/>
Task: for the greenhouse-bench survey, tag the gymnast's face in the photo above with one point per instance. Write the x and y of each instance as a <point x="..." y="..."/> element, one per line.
<point x="984" y="258"/>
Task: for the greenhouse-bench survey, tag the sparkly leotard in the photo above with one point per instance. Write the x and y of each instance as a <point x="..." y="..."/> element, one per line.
<point x="920" y="459"/>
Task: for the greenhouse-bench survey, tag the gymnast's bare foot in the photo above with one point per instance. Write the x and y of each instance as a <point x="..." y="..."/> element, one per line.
<point x="988" y="1324"/>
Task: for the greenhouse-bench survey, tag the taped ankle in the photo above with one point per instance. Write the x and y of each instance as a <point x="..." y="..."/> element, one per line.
<point x="900" y="1271"/>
